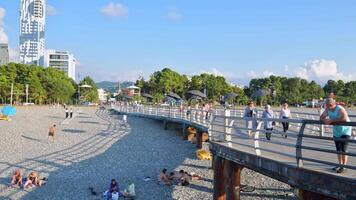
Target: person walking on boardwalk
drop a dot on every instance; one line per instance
(332, 115)
(285, 114)
(250, 111)
(67, 113)
(267, 115)
(71, 112)
(51, 133)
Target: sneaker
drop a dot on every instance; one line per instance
(335, 168)
(340, 170)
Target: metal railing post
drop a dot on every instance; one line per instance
(322, 127)
(299, 155)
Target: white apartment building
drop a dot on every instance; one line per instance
(62, 60)
(32, 31)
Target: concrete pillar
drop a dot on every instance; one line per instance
(232, 172)
(219, 189)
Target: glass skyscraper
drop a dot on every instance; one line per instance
(32, 31)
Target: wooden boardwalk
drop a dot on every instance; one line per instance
(277, 157)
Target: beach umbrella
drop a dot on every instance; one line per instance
(148, 96)
(85, 86)
(195, 98)
(174, 95)
(230, 96)
(8, 111)
(260, 93)
(196, 93)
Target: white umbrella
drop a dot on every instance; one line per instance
(85, 86)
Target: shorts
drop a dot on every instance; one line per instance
(342, 145)
(50, 134)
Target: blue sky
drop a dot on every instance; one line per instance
(120, 40)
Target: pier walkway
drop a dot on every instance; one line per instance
(303, 160)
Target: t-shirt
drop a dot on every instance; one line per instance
(285, 113)
(338, 131)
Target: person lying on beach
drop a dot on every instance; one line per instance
(184, 179)
(16, 178)
(193, 176)
(163, 178)
(34, 180)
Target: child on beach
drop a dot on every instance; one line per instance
(51, 133)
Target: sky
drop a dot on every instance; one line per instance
(122, 40)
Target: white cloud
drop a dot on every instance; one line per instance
(322, 70)
(115, 10)
(14, 55)
(3, 36)
(213, 71)
(174, 15)
(51, 10)
(251, 74)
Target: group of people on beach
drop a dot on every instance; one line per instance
(180, 177)
(268, 115)
(32, 180)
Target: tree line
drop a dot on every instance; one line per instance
(45, 85)
(292, 90)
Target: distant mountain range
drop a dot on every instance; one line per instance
(112, 86)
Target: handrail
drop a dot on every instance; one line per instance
(208, 119)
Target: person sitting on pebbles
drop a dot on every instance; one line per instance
(114, 191)
(163, 178)
(34, 180)
(16, 178)
(184, 177)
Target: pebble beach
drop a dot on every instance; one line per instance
(95, 147)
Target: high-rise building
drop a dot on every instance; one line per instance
(32, 31)
(61, 60)
(4, 54)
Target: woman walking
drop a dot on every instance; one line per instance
(285, 114)
(267, 115)
(250, 112)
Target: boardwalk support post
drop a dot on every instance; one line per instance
(232, 172)
(219, 189)
(165, 124)
(184, 131)
(199, 135)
